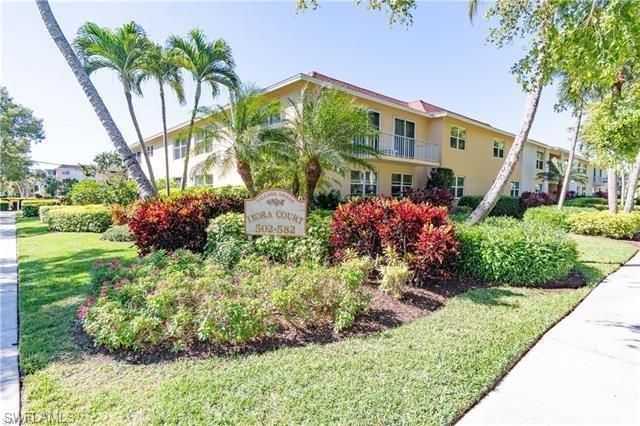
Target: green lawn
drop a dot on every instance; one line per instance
(426, 372)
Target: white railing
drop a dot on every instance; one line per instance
(403, 147)
(600, 180)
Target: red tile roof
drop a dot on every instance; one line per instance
(419, 105)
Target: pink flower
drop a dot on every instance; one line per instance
(105, 283)
(218, 296)
(91, 300)
(104, 292)
(113, 327)
(124, 281)
(152, 293)
(82, 312)
(117, 286)
(165, 324)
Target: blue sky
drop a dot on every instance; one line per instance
(442, 59)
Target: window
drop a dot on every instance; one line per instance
(274, 119)
(64, 172)
(404, 143)
(539, 160)
(538, 187)
(400, 182)
(179, 150)
(204, 146)
(458, 138)
(204, 180)
(150, 150)
(498, 148)
(515, 189)
(138, 155)
(364, 182)
(458, 186)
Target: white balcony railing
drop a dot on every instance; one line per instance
(599, 180)
(403, 147)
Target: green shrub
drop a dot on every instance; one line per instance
(585, 202)
(605, 224)
(506, 205)
(43, 212)
(117, 233)
(222, 191)
(395, 275)
(551, 217)
(227, 242)
(30, 208)
(174, 300)
(463, 210)
(87, 192)
(90, 218)
(4, 206)
(514, 253)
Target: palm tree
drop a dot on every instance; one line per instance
(244, 136)
(558, 169)
(163, 66)
(122, 51)
(208, 63)
(135, 171)
(328, 130)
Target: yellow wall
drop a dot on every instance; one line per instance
(476, 163)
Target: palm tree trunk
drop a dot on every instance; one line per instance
(165, 140)
(295, 185)
(632, 185)
(244, 170)
(144, 186)
(196, 101)
(312, 172)
(491, 198)
(572, 153)
(143, 148)
(612, 188)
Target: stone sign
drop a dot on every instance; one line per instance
(275, 212)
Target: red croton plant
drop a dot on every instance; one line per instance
(179, 222)
(419, 233)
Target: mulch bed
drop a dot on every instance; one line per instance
(386, 312)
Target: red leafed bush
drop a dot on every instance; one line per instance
(420, 234)
(119, 214)
(178, 223)
(535, 199)
(355, 226)
(601, 194)
(440, 197)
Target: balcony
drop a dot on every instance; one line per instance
(600, 180)
(402, 147)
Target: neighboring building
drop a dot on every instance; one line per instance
(69, 171)
(414, 138)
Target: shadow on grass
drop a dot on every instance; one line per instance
(492, 296)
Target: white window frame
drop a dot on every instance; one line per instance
(457, 186)
(455, 141)
(515, 188)
(498, 148)
(150, 150)
(363, 182)
(539, 161)
(180, 148)
(403, 185)
(203, 179)
(208, 146)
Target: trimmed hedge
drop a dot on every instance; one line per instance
(552, 217)
(585, 202)
(511, 252)
(4, 206)
(31, 208)
(89, 218)
(506, 205)
(118, 233)
(605, 224)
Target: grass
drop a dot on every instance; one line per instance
(427, 372)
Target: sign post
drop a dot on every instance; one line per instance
(275, 212)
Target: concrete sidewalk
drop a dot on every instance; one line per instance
(585, 370)
(9, 379)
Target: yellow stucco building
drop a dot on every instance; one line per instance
(414, 137)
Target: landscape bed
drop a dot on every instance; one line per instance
(428, 371)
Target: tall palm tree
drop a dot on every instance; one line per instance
(243, 135)
(209, 63)
(136, 172)
(122, 51)
(328, 126)
(558, 169)
(163, 66)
